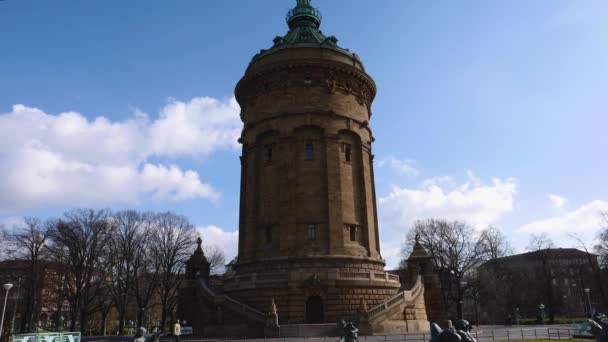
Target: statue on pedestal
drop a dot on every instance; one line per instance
(599, 327)
(349, 332)
(460, 333)
(272, 321)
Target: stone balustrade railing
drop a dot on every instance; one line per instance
(231, 303)
(249, 281)
(398, 299)
(369, 276)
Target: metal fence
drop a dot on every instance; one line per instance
(47, 337)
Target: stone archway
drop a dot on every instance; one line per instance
(314, 310)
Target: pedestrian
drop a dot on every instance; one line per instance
(177, 330)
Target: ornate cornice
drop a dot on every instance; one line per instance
(333, 78)
(289, 116)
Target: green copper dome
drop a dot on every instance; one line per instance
(303, 14)
(304, 21)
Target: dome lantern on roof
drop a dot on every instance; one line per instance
(303, 15)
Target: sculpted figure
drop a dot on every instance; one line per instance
(349, 331)
(139, 335)
(463, 328)
(599, 327)
(459, 334)
(273, 317)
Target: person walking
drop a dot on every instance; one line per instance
(177, 330)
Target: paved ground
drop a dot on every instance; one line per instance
(494, 333)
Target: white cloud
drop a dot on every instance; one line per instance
(170, 182)
(585, 220)
(557, 201)
(198, 127)
(474, 202)
(50, 159)
(391, 252)
(479, 204)
(404, 167)
(225, 240)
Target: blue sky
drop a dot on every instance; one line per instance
(488, 111)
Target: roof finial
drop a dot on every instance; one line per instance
(199, 242)
(303, 14)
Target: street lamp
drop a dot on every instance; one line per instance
(461, 286)
(587, 290)
(7, 287)
(15, 305)
(567, 306)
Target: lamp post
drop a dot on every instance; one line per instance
(7, 288)
(587, 290)
(461, 286)
(567, 306)
(15, 305)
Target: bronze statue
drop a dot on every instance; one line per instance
(599, 327)
(460, 333)
(139, 335)
(349, 332)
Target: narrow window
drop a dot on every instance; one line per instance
(353, 233)
(268, 234)
(347, 152)
(312, 232)
(268, 154)
(308, 151)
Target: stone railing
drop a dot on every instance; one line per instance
(231, 304)
(373, 275)
(400, 298)
(249, 281)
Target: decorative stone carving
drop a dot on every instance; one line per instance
(273, 316)
(338, 79)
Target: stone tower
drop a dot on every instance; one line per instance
(308, 231)
(420, 263)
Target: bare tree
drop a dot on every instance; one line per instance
(127, 251)
(543, 245)
(539, 242)
(27, 242)
(456, 251)
(3, 242)
(147, 279)
(601, 248)
(215, 257)
(80, 245)
(592, 260)
(105, 304)
(171, 243)
(492, 287)
(494, 243)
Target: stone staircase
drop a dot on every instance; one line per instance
(402, 313)
(230, 304)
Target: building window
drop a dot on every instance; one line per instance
(308, 151)
(353, 233)
(268, 154)
(312, 232)
(347, 149)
